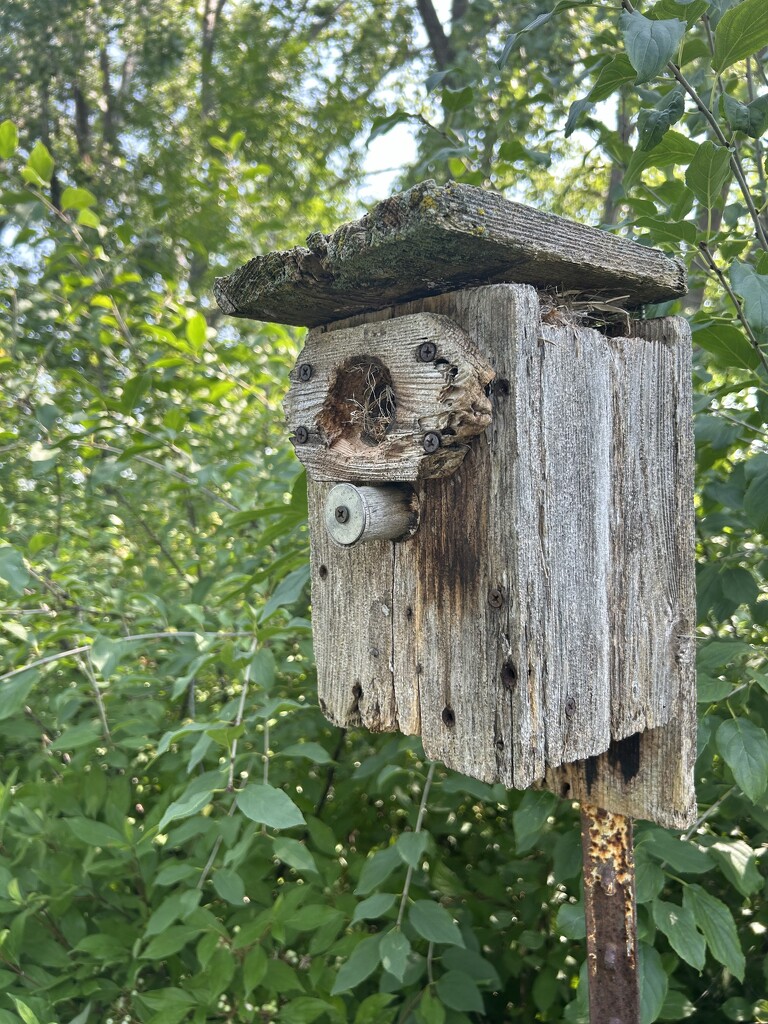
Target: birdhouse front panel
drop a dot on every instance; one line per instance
(532, 604)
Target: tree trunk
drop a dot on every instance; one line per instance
(439, 42)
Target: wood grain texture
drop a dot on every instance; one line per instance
(433, 239)
(377, 365)
(543, 608)
(650, 774)
(352, 618)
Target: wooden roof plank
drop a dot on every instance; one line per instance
(432, 239)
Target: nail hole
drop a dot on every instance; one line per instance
(508, 675)
(570, 707)
(409, 612)
(374, 652)
(322, 572)
(499, 744)
(449, 718)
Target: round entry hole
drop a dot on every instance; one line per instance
(361, 402)
(449, 718)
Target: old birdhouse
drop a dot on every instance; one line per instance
(500, 474)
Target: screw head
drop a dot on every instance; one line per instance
(301, 435)
(495, 597)
(431, 442)
(341, 512)
(427, 352)
(570, 707)
(305, 371)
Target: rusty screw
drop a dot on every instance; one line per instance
(305, 371)
(495, 597)
(430, 442)
(427, 352)
(342, 514)
(301, 435)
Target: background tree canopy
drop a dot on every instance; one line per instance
(183, 837)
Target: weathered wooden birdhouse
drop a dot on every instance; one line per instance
(500, 473)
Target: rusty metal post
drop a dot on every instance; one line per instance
(611, 913)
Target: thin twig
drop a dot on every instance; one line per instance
(239, 715)
(87, 666)
(708, 813)
(73, 651)
(419, 821)
(710, 261)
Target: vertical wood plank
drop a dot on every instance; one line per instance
(650, 774)
(352, 625)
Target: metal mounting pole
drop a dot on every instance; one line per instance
(611, 913)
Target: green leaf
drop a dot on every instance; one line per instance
(753, 289)
(728, 344)
(738, 863)
(739, 585)
(411, 847)
(24, 1011)
(14, 692)
(12, 568)
(229, 885)
(716, 922)
(708, 172)
(170, 941)
(679, 926)
(197, 331)
(570, 920)
(617, 72)
(9, 139)
(378, 868)
(653, 983)
(473, 964)
(361, 964)
(373, 907)
(395, 950)
(650, 44)
(179, 904)
(40, 162)
(431, 1010)
(304, 1010)
(254, 968)
(269, 806)
(742, 31)
(653, 124)
(287, 592)
(106, 654)
(312, 751)
(295, 854)
(735, 113)
(371, 1010)
(459, 992)
(681, 855)
(530, 817)
(382, 125)
(95, 833)
(185, 807)
(77, 199)
(744, 747)
(434, 923)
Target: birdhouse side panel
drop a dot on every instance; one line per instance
(652, 560)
